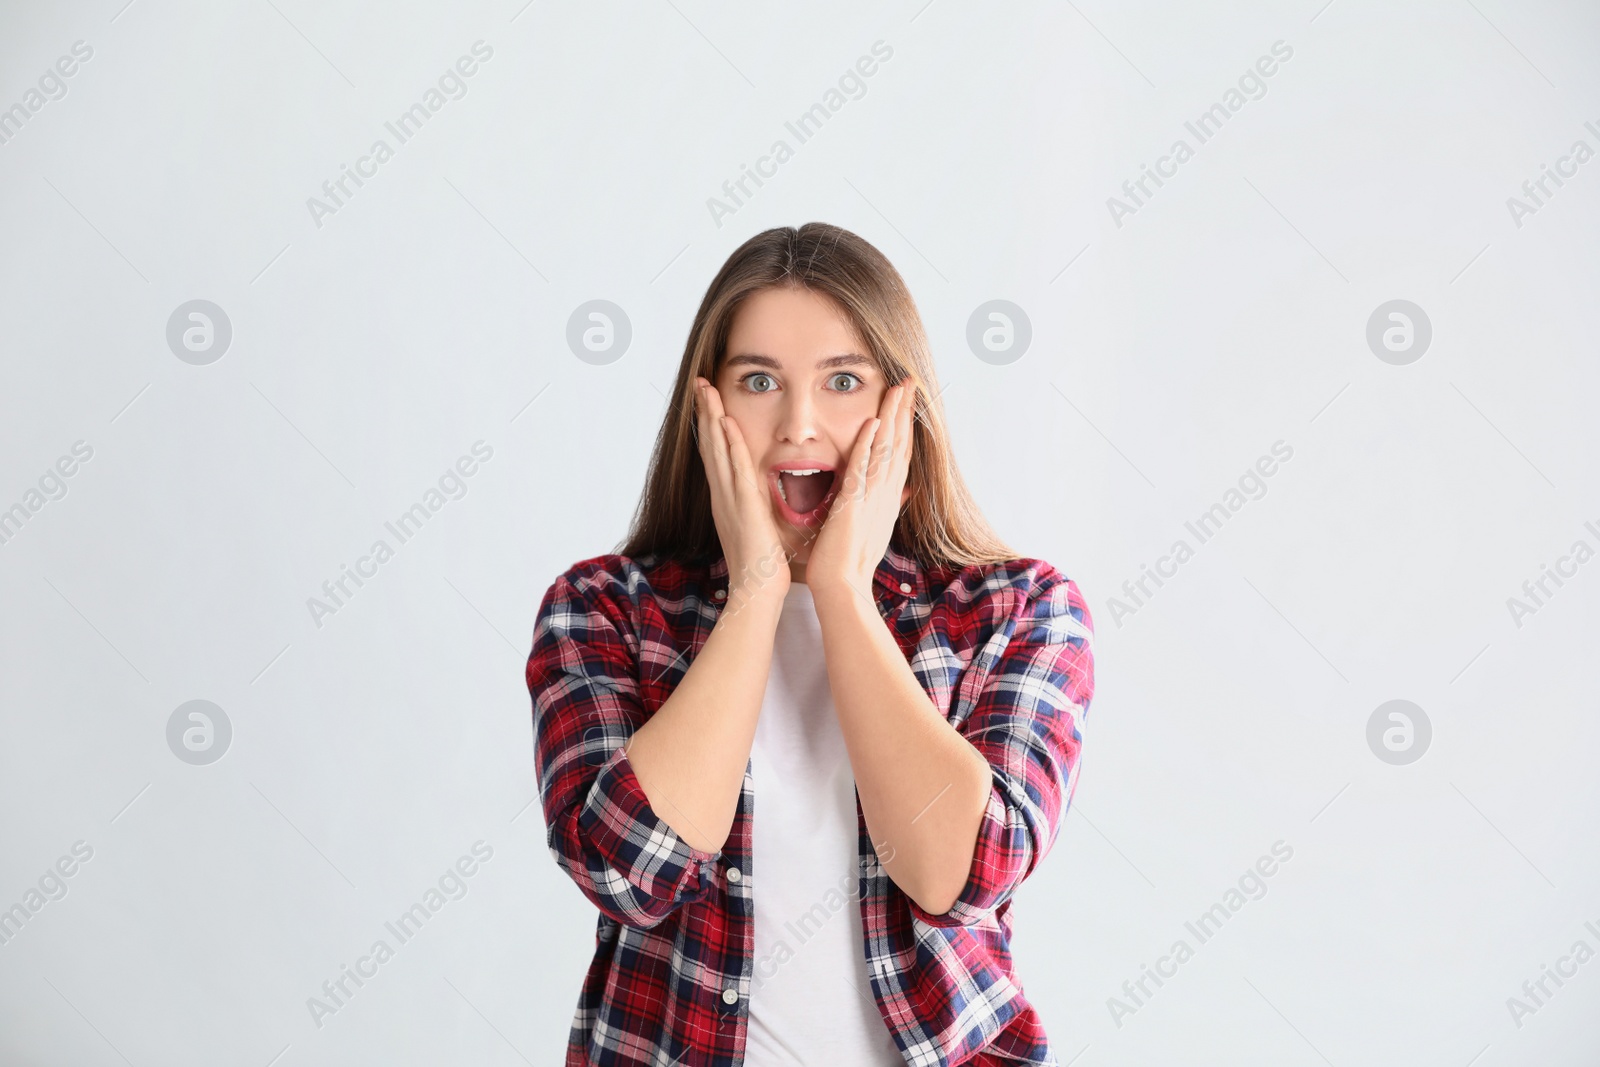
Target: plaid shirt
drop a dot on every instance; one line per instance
(1004, 653)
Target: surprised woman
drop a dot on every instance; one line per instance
(804, 734)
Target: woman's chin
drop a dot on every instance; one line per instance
(797, 538)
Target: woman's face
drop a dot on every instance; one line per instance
(800, 382)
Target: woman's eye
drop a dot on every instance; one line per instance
(749, 379)
(846, 379)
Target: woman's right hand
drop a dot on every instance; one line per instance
(758, 564)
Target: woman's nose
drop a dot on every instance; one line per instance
(797, 420)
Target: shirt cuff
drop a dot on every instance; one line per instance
(999, 863)
(637, 844)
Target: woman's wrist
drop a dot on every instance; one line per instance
(761, 574)
(759, 588)
(832, 595)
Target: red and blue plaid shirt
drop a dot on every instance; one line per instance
(1004, 653)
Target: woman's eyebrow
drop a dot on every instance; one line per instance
(849, 359)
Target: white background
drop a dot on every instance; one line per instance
(1168, 354)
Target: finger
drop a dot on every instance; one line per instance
(729, 472)
(702, 423)
(906, 402)
(702, 433)
(739, 455)
(718, 415)
(884, 440)
(740, 466)
(701, 415)
(855, 485)
(694, 409)
(907, 435)
(713, 440)
(713, 401)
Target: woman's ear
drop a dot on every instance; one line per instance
(905, 494)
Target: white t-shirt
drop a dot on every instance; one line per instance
(810, 995)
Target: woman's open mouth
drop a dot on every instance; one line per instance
(803, 493)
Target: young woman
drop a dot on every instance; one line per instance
(803, 736)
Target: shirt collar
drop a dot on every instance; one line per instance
(897, 578)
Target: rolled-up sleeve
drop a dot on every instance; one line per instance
(1027, 721)
(601, 829)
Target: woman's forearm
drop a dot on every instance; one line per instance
(922, 785)
(690, 756)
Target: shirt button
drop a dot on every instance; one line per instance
(733, 874)
(905, 587)
(720, 594)
(730, 996)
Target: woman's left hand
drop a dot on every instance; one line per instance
(855, 535)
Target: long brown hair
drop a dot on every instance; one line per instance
(940, 525)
